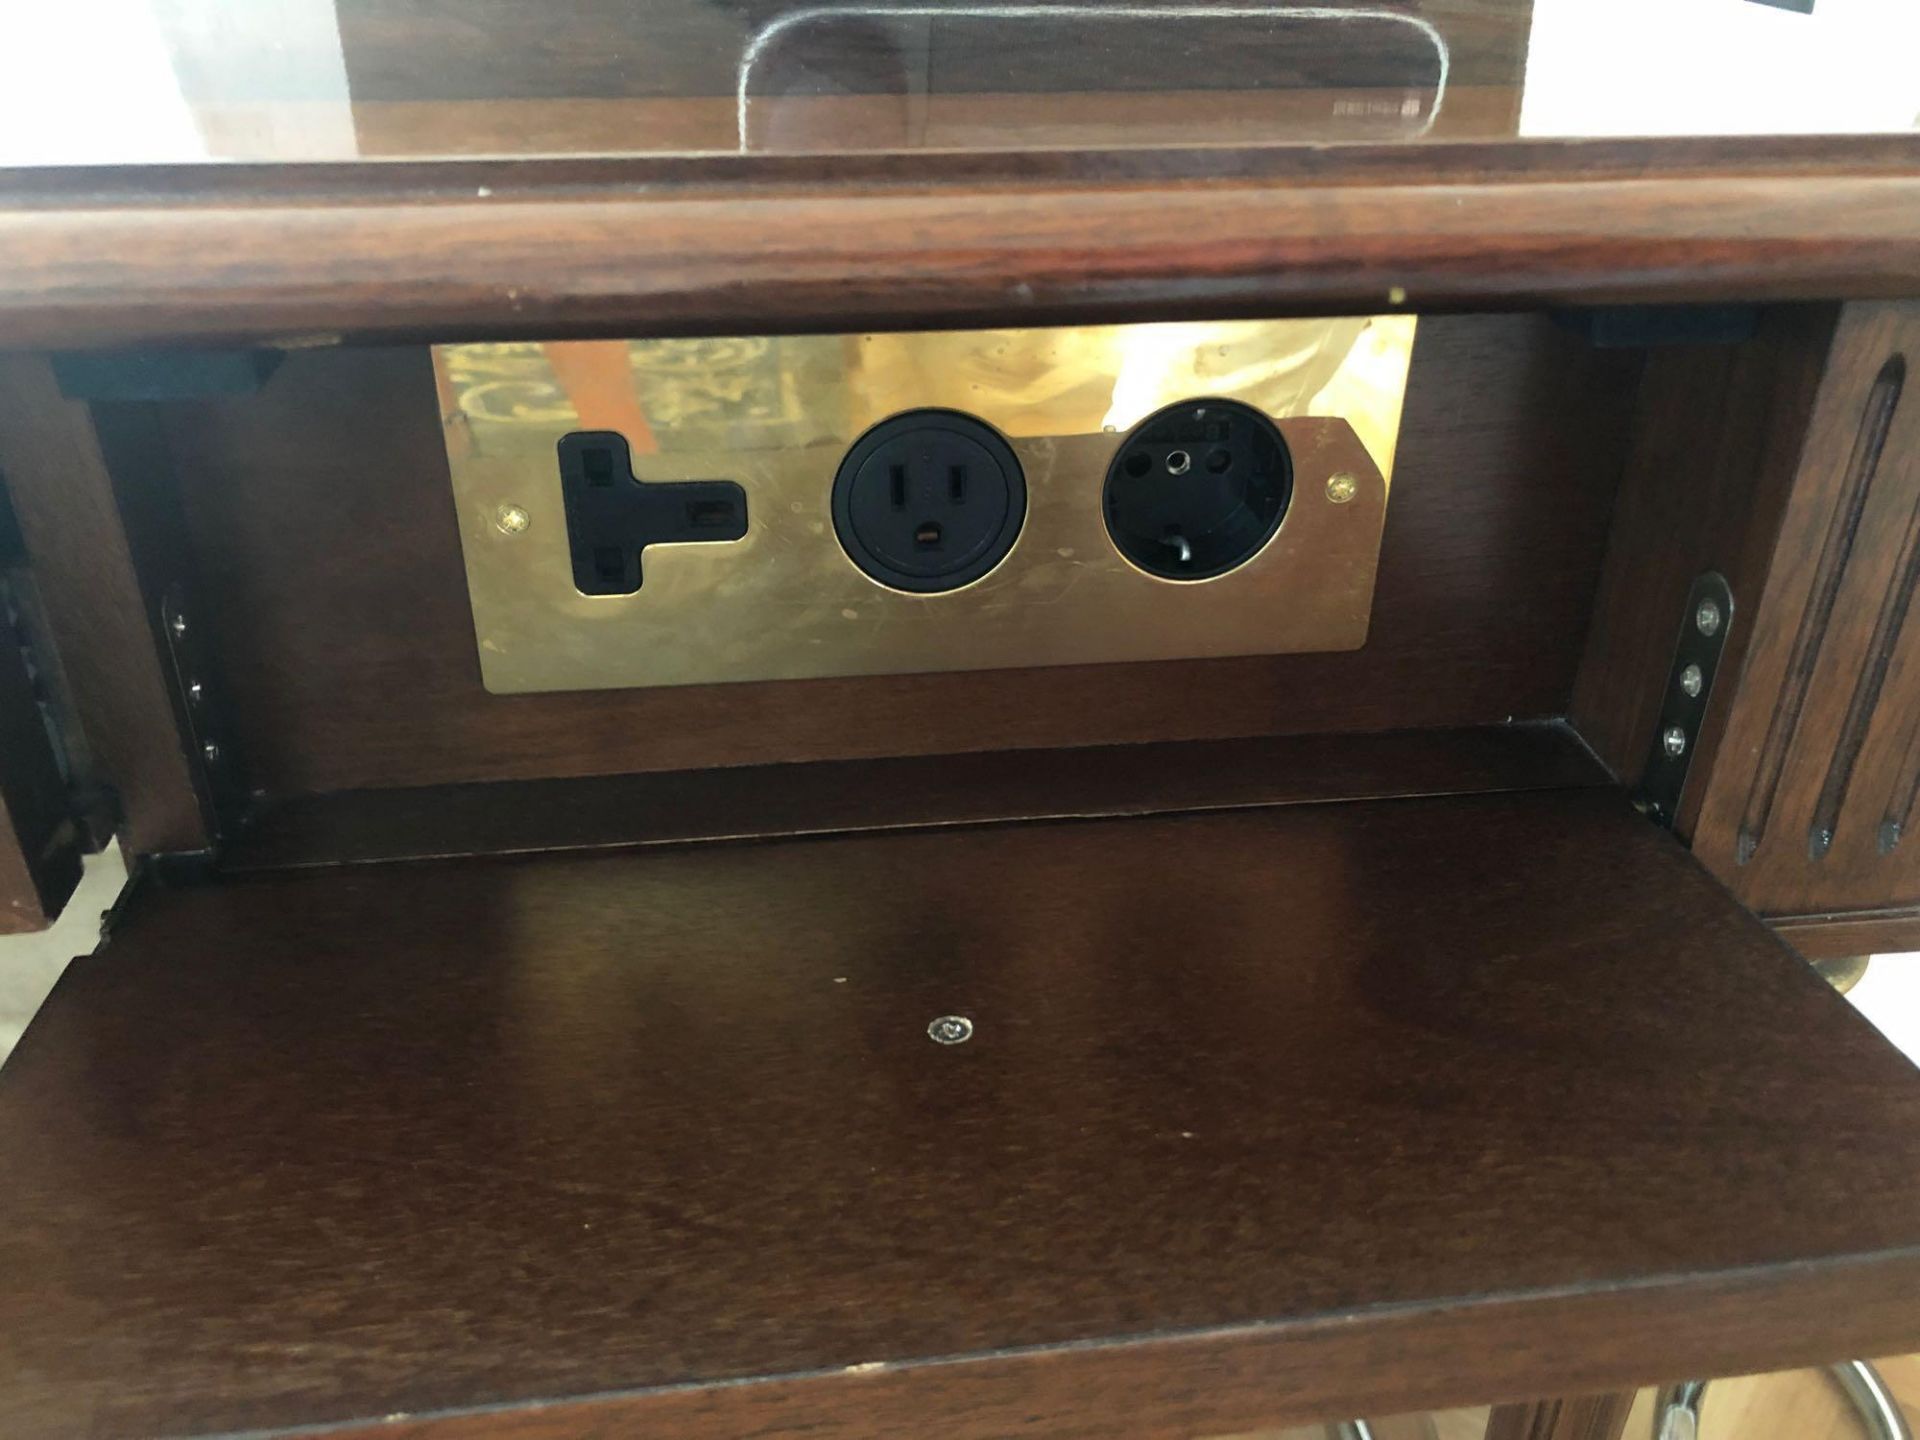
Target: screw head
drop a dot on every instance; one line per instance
(950, 1030)
(1674, 741)
(1342, 487)
(511, 519)
(1706, 619)
(1692, 681)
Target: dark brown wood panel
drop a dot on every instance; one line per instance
(1266, 1115)
(74, 513)
(1811, 806)
(323, 520)
(1586, 1417)
(912, 792)
(1716, 441)
(1850, 932)
(725, 246)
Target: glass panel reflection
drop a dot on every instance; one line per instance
(197, 80)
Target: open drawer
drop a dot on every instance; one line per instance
(1269, 1113)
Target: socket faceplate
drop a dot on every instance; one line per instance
(785, 601)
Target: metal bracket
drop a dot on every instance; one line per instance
(1683, 705)
(215, 759)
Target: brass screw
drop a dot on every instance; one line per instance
(510, 520)
(1342, 487)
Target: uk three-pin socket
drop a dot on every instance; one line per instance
(929, 500)
(1197, 489)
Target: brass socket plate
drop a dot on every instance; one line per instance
(786, 603)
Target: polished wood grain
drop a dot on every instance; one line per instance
(322, 518)
(912, 792)
(725, 246)
(1823, 736)
(96, 576)
(1270, 1115)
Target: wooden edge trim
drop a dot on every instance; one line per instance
(1839, 934)
(1370, 1362)
(739, 260)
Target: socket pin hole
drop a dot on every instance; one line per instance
(1138, 463)
(957, 483)
(897, 486)
(1179, 462)
(1218, 461)
(927, 537)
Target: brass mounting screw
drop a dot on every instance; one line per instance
(510, 519)
(1342, 487)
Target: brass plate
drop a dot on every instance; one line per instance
(777, 415)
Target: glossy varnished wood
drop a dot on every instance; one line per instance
(696, 249)
(910, 792)
(1273, 1115)
(323, 522)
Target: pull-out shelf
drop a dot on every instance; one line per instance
(1268, 1114)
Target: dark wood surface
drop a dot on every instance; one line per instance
(1585, 1417)
(74, 513)
(909, 792)
(1269, 1115)
(1717, 435)
(1824, 729)
(730, 245)
(323, 522)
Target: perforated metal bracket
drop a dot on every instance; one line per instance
(1683, 704)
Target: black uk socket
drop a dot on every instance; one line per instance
(1197, 489)
(612, 516)
(929, 501)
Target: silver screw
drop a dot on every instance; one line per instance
(1692, 681)
(1674, 741)
(1179, 462)
(178, 625)
(950, 1030)
(510, 519)
(212, 752)
(1707, 618)
(1342, 487)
